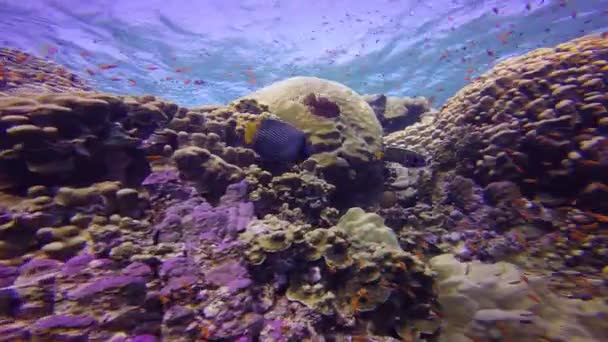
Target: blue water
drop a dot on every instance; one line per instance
(212, 51)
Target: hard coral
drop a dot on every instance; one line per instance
(75, 138)
(534, 120)
(341, 127)
(488, 301)
(210, 174)
(356, 268)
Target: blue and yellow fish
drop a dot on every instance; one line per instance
(277, 141)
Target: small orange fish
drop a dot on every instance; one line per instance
(252, 80)
(591, 226)
(588, 162)
(180, 70)
(228, 75)
(205, 334)
(470, 70)
(154, 158)
(107, 66)
(530, 181)
(187, 82)
(151, 67)
(84, 53)
(578, 236)
(467, 78)
(601, 218)
(164, 299)
(20, 58)
(555, 135)
(534, 297)
(131, 82)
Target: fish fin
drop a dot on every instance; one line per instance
(251, 128)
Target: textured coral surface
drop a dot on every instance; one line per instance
(128, 218)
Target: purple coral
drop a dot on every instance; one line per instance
(39, 267)
(167, 182)
(76, 264)
(144, 338)
(63, 322)
(138, 269)
(231, 274)
(134, 288)
(176, 267)
(8, 274)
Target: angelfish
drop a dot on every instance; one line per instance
(277, 141)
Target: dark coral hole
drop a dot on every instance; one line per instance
(321, 106)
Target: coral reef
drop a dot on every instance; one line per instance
(523, 146)
(341, 127)
(302, 191)
(23, 73)
(536, 120)
(127, 218)
(210, 173)
(76, 138)
(355, 270)
(396, 113)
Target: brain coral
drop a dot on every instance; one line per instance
(341, 126)
(539, 120)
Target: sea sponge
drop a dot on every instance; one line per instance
(488, 301)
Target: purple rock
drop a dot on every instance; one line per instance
(133, 288)
(144, 338)
(231, 274)
(167, 182)
(63, 322)
(178, 315)
(14, 332)
(176, 284)
(161, 177)
(39, 267)
(235, 192)
(77, 264)
(8, 274)
(176, 267)
(138, 269)
(102, 264)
